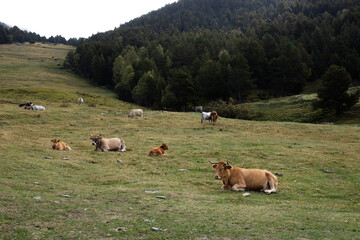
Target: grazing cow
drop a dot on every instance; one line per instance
(108, 144)
(198, 108)
(136, 112)
(241, 179)
(213, 117)
(37, 108)
(159, 150)
(80, 101)
(58, 145)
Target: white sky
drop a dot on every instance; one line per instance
(74, 18)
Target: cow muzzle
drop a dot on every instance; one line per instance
(93, 143)
(217, 177)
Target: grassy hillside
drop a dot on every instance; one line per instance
(82, 194)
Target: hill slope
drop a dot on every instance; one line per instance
(48, 194)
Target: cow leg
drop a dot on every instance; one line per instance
(226, 187)
(238, 187)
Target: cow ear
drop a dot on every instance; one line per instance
(215, 165)
(228, 167)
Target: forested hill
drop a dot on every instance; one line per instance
(196, 51)
(187, 15)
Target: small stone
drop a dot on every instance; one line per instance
(65, 158)
(161, 197)
(156, 229)
(65, 195)
(121, 229)
(37, 198)
(118, 161)
(246, 194)
(36, 183)
(183, 170)
(156, 191)
(71, 124)
(48, 157)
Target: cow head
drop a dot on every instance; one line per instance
(164, 146)
(221, 169)
(95, 139)
(55, 141)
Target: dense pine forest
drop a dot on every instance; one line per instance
(14, 34)
(196, 51)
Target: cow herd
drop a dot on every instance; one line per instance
(233, 178)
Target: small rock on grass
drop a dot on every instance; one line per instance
(37, 198)
(121, 229)
(161, 197)
(156, 191)
(48, 157)
(118, 161)
(246, 194)
(65, 195)
(183, 170)
(157, 229)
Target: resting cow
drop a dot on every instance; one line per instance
(136, 112)
(159, 150)
(241, 179)
(108, 144)
(28, 104)
(58, 145)
(37, 108)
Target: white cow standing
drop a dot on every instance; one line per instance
(80, 101)
(205, 116)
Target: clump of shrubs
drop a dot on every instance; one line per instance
(230, 109)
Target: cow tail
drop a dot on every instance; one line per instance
(68, 148)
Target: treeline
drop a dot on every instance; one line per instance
(10, 35)
(195, 51)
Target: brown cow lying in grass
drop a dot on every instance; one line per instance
(159, 150)
(108, 144)
(241, 179)
(58, 145)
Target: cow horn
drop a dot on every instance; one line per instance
(213, 162)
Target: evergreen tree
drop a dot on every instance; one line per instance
(240, 78)
(333, 93)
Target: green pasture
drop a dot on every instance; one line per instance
(83, 194)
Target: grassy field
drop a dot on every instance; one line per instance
(83, 194)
